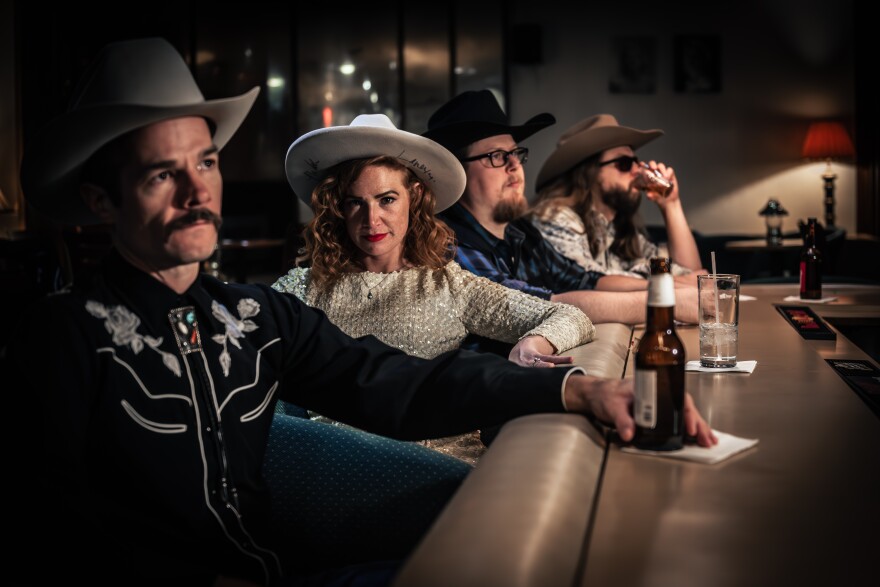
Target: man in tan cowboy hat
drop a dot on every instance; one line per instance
(589, 191)
(493, 238)
(143, 400)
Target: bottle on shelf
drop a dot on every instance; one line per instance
(660, 360)
(811, 261)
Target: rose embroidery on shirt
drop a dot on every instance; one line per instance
(122, 325)
(235, 327)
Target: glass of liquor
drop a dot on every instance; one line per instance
(660, 360)
(811, 260)
(652, 180)
(719, 319)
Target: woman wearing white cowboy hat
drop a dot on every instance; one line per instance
(381, 263)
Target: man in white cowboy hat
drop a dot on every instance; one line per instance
(143, 400)
(589, 191)
(493, 237)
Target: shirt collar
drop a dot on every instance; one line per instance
(465, 222)
(148, 297)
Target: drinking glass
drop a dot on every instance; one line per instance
(652, 180)
(719, 319)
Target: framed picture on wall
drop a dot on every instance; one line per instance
(633, 65)
(697, 64)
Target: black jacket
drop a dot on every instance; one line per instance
(143, 417)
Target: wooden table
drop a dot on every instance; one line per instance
(760, 245)
(800, 508)
(768, 260)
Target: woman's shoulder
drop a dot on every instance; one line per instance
(454, 272)
(296, 281)
(451, 277)
(461, 281)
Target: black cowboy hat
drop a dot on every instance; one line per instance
(475, 115)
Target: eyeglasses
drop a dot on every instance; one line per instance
(623, 163)
(500, 157)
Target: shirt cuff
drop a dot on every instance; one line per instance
(571, 372)
(589, 280)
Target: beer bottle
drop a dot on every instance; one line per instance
(811, 258)
(660, 360)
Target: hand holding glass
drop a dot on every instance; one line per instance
(652, 180)
(719, 319)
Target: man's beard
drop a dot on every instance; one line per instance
(627, 222)
(625, 203)
(508, 210)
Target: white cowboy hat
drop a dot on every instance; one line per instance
(586, 138)
(371, 135)
(130, 84)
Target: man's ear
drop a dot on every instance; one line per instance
(99, 202)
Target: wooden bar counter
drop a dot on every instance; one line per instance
(800, 508)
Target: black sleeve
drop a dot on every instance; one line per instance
(373, 386)
(47, 397)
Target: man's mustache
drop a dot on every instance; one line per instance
(193, 216)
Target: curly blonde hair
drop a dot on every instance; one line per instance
(428, 242)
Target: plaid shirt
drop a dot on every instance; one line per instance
(522, 261)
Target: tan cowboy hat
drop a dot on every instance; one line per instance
(586, 138)
(371, 135)
(130, 84)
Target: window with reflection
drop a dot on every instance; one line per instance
(479, 47)
(235, 51)
(347, 66)
(427, 62)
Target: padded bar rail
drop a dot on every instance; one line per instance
(520, 518)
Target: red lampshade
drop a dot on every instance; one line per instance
(827, 140)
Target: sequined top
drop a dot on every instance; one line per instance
(565, 230)
(425, 312)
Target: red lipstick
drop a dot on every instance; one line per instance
(374, 238)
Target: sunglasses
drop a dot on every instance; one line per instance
(623, 163)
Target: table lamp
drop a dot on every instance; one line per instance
(773, 213)
(828, 140)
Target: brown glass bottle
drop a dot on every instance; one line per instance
(811, 260)
(660, 360)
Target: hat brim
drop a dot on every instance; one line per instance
(584, 145)
(311, 155)
(51, 168)
(458, 135)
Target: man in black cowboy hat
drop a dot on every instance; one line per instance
(589, 192)
(144, 399)
(493, 238)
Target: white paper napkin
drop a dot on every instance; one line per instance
(728, 445)
(819, 301)
(741, 367)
